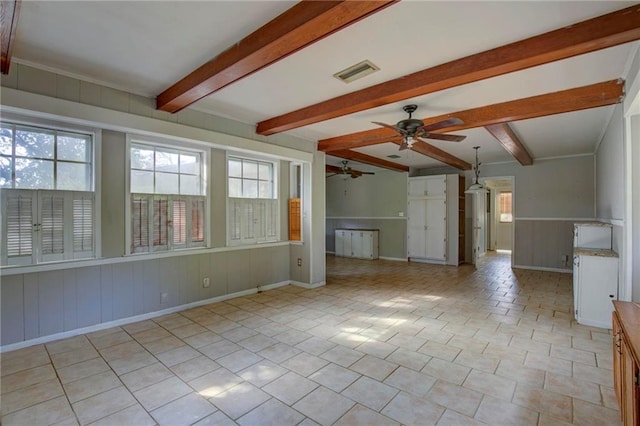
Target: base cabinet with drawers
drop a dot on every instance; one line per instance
(358, 243)
(626, 360)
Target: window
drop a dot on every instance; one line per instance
(504, 201)
(253, 206)
(168, 202)
(48, 200)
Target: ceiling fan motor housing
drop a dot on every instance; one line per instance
(410, 125)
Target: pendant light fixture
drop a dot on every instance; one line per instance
(476, 186)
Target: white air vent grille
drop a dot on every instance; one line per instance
(356, 71)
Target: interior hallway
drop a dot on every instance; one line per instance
(383, 343)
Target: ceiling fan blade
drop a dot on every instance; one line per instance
(389, 126)
(449, 122)
(444, 137)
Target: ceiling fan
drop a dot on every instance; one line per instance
(345, 170)
(412, 129)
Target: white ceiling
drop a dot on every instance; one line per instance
(146, 46)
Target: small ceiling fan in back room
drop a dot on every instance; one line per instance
(412, 129)
(345, 170)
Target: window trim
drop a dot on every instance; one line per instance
(170, 144)
(62, 125)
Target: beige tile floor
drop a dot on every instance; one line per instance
(383, 343)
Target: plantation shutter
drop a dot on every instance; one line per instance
(19, 217)
(271, 218)
(179, 222)
(197, 221)
(160, 223)
(235, 219)
(83, 225)
(139, 224)
(52, 225)
(248, 216)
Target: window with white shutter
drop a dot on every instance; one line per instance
(48, 202)
(253, 206)
(168, 205)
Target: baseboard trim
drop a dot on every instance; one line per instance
(309, 286)
(141, 317)
(541, 268)
(595, 323)
(395, 259)
(429, 261)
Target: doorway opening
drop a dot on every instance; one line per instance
(500, 215)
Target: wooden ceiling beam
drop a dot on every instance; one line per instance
(436, 153)
(9, 13)
(585, 97)
(510, 141)
(594, 34)
(367, 159)
(303, 24)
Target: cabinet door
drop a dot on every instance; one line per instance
(576, 287)
(436, 229)
(617, 357)
(598, 281)
(416, 231)
(630, 407)
(367, 245)
(339, 242)
(356, 243)
(436, 186)
(348, 250)
(427, 186)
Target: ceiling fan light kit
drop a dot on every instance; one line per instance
(412, 129)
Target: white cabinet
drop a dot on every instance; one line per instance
(595, 286)
(427, 186)
(432, 219)
(359, 243)
(340, 242)
(592, 235)
(427, 228)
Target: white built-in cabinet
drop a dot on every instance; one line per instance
(359, 243)
(433, 231)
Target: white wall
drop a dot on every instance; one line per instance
(369, 202)
(554, 188)
(610, 171)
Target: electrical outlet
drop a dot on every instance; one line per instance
(164, 297)
(400, 214)
(206, 282)
(299, 261)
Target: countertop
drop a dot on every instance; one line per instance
(579, 251)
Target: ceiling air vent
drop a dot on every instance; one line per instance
(393, 156)
(356, 71)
